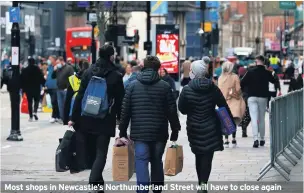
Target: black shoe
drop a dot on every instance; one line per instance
(256, 144)
(14, 137)
(244, 134)
(35, 117)
(262, 143)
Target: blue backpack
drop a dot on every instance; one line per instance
(95, 101)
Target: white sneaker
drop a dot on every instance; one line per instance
(59, 121)
(52, 120)
(226, 144)
(30, 119)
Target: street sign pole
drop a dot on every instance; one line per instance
(14, 91)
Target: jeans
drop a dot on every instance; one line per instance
(30, 97)
(61, 99)
(257, 110)
(203, 163)
(152, 152)
(55, 110)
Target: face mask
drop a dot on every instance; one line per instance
(49, 62)
(191, 75)
(59, 65)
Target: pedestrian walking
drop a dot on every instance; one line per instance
(31, 82)
(97, 131)
(246, 119)
(51, 89)
(229, 84)
(185, 73)
(273, 88)
(257, 80)
(62, 72)
(164, 75)
(128, 73)
(135, 71)
(198, 101)
(149, 104)
(296, 82)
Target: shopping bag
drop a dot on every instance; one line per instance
(123, 162)
(227, 125)
(24, 105)
(43, 104)
(65, 151)
(46, 109)
(174, 160)
(48, 101)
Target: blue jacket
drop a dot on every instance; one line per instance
(131, 79)
(50, 83)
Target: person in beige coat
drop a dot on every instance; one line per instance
(229, 84)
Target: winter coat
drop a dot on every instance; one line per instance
(50, 82)
(32, 79)
(198, 101)
(257, 81)
(131, 79)
(295, 84)
(229, 84)
(96, 126)
(150, 104)
(62, 75)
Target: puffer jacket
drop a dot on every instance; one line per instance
(198, 100)
(149, 103)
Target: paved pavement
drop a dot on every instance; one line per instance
(33, 159)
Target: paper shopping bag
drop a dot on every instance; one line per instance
(174, 160)
(44, 101)
(123, 163)
(24, 105)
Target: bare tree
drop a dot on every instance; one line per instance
(104, 15)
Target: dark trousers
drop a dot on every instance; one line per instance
(152, 152)
(15, 110)
(31, 96)
(53, 95)
(271, 95)
(233, 135)
(88, 146)
(203, 164)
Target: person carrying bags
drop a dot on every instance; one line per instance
(198, 101)
(229, 84)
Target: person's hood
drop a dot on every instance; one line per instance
(148, 76)
(201, 84)
(102, 67)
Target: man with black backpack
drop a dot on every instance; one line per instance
(97, 105)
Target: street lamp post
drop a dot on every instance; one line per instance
(14, 92)
(92, 19)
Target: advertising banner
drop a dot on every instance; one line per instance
(167, 47)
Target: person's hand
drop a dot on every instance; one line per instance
(174, 136)
(279, 94)
(71, 123)
(55, 68)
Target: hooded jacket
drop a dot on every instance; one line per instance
(149, 103)
(102, 68)
(198, 101)
(32, 79)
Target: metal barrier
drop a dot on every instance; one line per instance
(286, 132)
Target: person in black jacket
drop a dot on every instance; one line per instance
(150, 104)
(31, 81)
(257, 82)
(96, 133)
(198, 100)
(166, 77)
(296, 82)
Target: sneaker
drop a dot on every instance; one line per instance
(256, 144)
(31, 119)
(262, 143)
(14, 137)
(52, 120)
(59, 121)
(244, 134)
(234, 143)
(35, 117)
(226, 144)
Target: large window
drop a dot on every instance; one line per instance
(81, 34)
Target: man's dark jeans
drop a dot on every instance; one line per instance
(53, 95)
(152, 152)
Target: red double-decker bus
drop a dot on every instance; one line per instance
(78, 43)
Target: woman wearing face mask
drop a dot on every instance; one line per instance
(296, 81)
(198, 100)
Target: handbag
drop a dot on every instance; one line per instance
(24, 105)
(227, 125)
